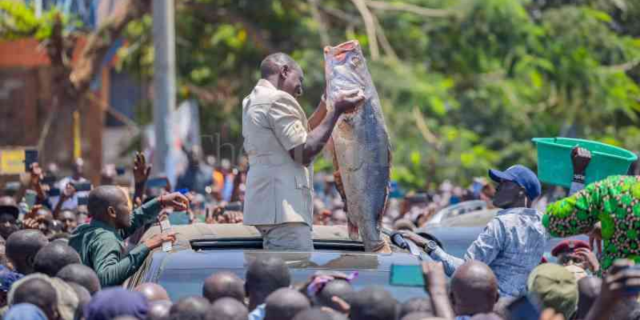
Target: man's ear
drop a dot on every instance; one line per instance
(31, 259)
(284, 71)
(111, 211)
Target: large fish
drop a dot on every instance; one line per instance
(360, 146)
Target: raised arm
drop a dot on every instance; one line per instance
(577, 214)
(304, 153)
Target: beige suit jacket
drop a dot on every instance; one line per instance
(279, 190)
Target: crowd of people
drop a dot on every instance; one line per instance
(65, 255)
(67, 247)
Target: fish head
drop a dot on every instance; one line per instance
(345, 69)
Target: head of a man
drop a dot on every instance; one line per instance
(53, 257)
(555, 287)
(223, 284)
(565, 251)
(39, 293)
(283, 72)
(317, 314)
(284, 304)
(152, 291)
(518, 186)
(373, 303)
(190, 308)
(84, 297)
(69, 220)
(159, 310)
(474, 289)
(22, 247)
(110, 205)
(588, 292)
(416, 305)
(227, 309)
(335, 288)
(9, 212)
(114, 302)
(264, 276)
(82, 275)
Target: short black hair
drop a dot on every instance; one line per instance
(190, 308)
(336, 288)
(373, 303)
(82, 275)
(223, 284)
(227, 309)
(274, 62)
(266, 275)
(22, 247)
(313, 314)
(37, 292)
(417, 304)
(103, 197)
(284, 304)
(53, 257)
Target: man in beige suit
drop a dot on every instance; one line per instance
(281, 145)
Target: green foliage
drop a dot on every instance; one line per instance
(466, 92)
(17, 20)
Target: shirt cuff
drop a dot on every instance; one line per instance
(575, 187)
(139, 253)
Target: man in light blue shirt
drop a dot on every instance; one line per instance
(513, 242)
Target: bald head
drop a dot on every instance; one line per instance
(223, 284)
(274, 63)
(152, 291)
(313, 314)
(103, 197)
(82, 275)
(55, 256)
(22, 247)
(284, 304)
(416, 305)
(159, 310)
(336, 288)
(189, 308)
(39, 293)
(474, 289)
(227, 309)
(264, 276)
(588, 290)
(373, 303)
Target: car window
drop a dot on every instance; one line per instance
(186, 282)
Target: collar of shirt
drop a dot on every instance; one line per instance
(266, 84)
(524, 211)
(99, 224)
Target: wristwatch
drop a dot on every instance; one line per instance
(430, 246)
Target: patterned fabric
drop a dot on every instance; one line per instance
(512, 245)
(615, 203)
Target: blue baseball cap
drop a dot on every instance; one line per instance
(521, 175)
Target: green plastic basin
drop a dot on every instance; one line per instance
(555, 167)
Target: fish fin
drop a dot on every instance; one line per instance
(329, 152)
(340, 187)
(354, 233)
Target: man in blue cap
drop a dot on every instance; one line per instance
(513, 242)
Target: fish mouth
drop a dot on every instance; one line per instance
(340, 51)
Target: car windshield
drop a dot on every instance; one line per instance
(187, 282)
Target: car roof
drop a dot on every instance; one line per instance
(203, 231)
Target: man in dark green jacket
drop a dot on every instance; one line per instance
(101, 242)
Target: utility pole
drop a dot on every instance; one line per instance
(164, 86)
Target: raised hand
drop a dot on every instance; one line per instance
(140, 169)
(175, 200)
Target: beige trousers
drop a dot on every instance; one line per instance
(293, 236)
